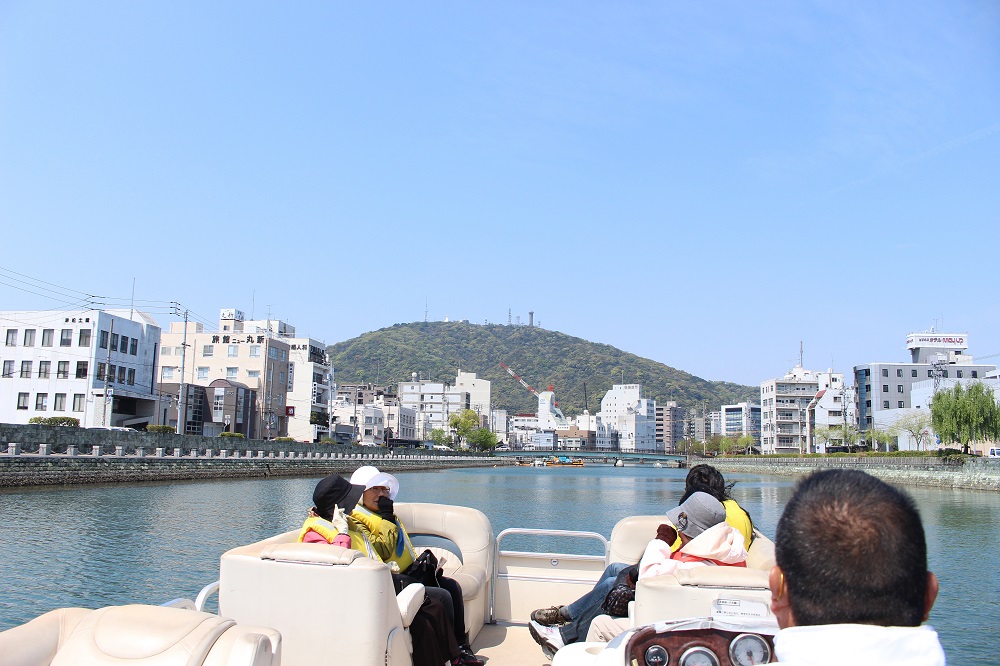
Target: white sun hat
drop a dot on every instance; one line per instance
(369, 477)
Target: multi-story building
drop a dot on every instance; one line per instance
(883, 389)
(252, 353)
(670, 423)
(94, 365)
(309, 390)
(222, 406)
(479, 393)
(795, 405)
(433, 403)
(627, 421)
(500, 425)
(740, 419)
(922, 394)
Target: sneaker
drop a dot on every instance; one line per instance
(549, 638)
(548, 617)
(466, 657)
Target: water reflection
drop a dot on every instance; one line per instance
(98, 545)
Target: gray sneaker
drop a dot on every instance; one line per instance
(548, 617)
(548, 638)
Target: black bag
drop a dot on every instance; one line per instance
(425, 569)
(616, 603)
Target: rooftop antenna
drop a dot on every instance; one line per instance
(253, 298)
(425, 310)
(131, 307)
(800, 353)
(508, 316)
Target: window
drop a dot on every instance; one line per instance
(59, 402)
(167, 373)
(958, 373)
(112, 369)
(22, 400)
(218, 403)
(232, 373)
(930, 373)
(203, 372)
(868, 404)
(29, 337)
(131, 376)
(975, 374)
(913, 373)
(121, 374)
(899, 388)
(41, 402)
(272, 352)
(104, 340)
(84, 339)
(47, 334)
(945, 373)
(281, 378)
(66, 337)
(284, 355)
(81, 369)
(11, 337)
(133, 347)
(885, 388)
(25, 369)
(885, 404)
(165, 351)
(868, 388)
(124, 346)
(78, 402)
(900, 404)
(253, 374)
(114, 342)
(254, 351)
(234, 351)
(100, 371)
(208, 350)
(43, 369)
(885, 372)
(868, 372)
(899, 372)
(62, 370)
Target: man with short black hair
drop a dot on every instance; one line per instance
(851, 585)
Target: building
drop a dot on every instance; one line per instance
(796, 405)
(479, 391)
(252, 353)
(740, 419)
(670, 424)
(309, 390)
(627, 421)
(221, 406)
(93, 365)
(433, 403)
(500, 425)
(883, 390)
(922, 394)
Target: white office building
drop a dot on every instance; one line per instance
(742, 418)
(795, 405)
(309, 390)
(93, 365)
(433, 403)
(627, 421)
(479, 393)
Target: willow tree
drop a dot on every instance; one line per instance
(965, 415)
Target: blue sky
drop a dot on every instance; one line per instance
(703, 184)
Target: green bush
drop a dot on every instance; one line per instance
(66, 421)
(237, 435)
(284, 439)
(161, 428)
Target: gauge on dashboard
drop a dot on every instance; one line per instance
(656, 655)
(749, 649)
(698, 656)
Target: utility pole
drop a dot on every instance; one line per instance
(107, 374)
(182, 395)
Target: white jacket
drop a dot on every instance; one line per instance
(720, 544)
(858, 645)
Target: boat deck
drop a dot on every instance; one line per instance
(504, 644)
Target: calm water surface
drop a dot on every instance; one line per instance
(93, 546)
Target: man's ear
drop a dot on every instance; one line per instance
(779, 598)
(932, 592)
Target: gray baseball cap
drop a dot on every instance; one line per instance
(699, 512)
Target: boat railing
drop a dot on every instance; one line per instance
(203, 596)
(554, 557)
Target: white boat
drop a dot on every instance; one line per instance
(283, 602)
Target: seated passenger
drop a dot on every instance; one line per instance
(574, 619)
(430, 630)
(706, 540)
(375, 519)
(851, 585)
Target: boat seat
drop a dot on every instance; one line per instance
(690, 592)
(138, 635)
(630, 536)
(470, 530)
(332, 605)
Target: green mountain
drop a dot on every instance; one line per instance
(437, 350)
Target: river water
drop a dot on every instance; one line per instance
(99, 545)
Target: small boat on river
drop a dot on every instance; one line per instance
(298, 604)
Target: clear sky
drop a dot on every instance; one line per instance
(703, 184)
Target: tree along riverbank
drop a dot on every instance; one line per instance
(950, 472)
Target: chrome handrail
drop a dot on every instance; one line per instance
(206, 592)
(535, 532)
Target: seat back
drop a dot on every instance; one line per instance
(138, 635)
(472, 533)
(630, 536)
(331, 605)
(761, 553)
(690, 592)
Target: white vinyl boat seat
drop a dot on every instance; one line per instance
(138, 635)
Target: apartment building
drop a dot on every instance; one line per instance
(93, 365)
(479, 391)
(627, 421)
(221, 406)
(794, 406)
(433, 403)
(670, 424)
(309, 390)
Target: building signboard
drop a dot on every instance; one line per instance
(938, 340)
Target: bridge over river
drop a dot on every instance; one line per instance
(609, 457)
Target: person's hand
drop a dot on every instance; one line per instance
(666, 533)
(339, 520)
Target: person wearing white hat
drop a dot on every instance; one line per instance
(375, 519)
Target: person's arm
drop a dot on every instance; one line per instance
(656, 558)
(382, 534)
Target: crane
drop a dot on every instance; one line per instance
(559, 417)
(519, 380)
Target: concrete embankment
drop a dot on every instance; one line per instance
(971, 473)
(45, 455)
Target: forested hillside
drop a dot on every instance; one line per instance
(437, 350)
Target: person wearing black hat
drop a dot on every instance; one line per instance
(333, 499)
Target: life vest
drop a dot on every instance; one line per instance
(401, 552)
(325, 529)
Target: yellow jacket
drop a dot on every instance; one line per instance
(326, 530)
(388, 538)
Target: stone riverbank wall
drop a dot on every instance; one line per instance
(971, 473)
(35, 455)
